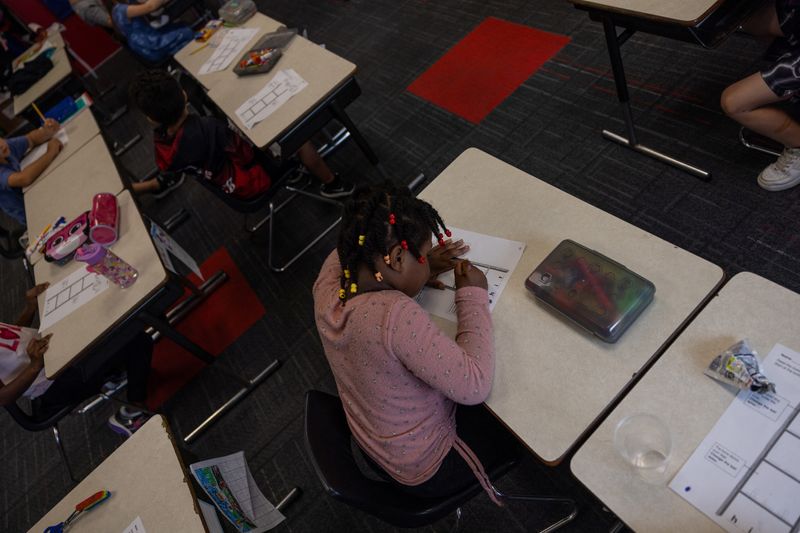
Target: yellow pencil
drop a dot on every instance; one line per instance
(35, 108)
(193, 52)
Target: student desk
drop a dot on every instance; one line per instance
(705, 22)
(146, 478)
(690, 403)
(76, 333)
(60, 71)
(80, 129)
(552, 381)
(331, 87)
(68, 190)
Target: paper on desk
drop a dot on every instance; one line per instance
(277, 92)
(230, 48)
(496, 257)
(69, 294)
(768, 500)
(39, 151)
(166, 245)
(230, 485)
(135, 527)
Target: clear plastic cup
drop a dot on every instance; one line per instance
(644, 441)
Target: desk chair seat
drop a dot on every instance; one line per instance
(328, 444)
(34, 423)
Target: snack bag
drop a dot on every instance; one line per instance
(739, 366)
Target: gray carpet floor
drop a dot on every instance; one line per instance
(550, 127)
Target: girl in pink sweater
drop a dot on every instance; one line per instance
(400, 378)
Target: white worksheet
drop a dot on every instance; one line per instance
(745, 475)
(230, 475)
(277, 92)
(39, 151)
(72, 292)
(135, 527)
(231, 47)
(496, 257)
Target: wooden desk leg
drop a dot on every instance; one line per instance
(613, 43)
(362, 143)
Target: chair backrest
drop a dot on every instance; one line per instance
(32, 423)
(328, 444)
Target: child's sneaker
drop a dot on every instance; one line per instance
(168, 181)
(126, 425)
(782, 174)
(337, 188)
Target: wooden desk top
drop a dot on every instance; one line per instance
(146, 478)
(680, 12)
(61, 69)
(689, 402)
(73, 334)
(192, 62)
(69, 188)
(323, 70)
(81, 129)
(553, 380)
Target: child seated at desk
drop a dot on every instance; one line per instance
(207, 147)
(13, 178)
(92, 12)
(153, 44)
(749, 101)
(410, 393)
(22, 372)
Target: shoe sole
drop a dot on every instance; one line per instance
(775, 187)
(335, 194)
(119, 429)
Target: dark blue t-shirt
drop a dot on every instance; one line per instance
(11, 197)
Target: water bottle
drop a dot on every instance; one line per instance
(103, 261)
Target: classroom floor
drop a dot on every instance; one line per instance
(549, 127)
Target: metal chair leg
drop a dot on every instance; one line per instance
(457, 526)
(63, 452)
(543, 499)
(754, 145)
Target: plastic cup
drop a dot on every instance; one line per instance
(644, 441)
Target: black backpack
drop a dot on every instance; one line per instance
(31, 72)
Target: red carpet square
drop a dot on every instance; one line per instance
(224, 316)
(485, 67)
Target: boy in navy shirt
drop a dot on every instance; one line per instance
(13, 178)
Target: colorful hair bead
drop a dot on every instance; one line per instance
(387, 259)
(392, 219)
(448, 233)
(440, 237)
(346, 274)
(378, 277)
(353, 288)
(361, 239)
(342, 294)
(404, 244)
(421, 260)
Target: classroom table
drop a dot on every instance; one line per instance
(331, 87)
(146, 478)
(690, 403)
(552, 381)
(81, 128)
(704, 22)
(75, 334)
(60, 71)
(68, 190)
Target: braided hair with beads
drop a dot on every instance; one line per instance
(377, 218)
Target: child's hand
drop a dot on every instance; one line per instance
(469, 276)
(32, 294)
(50, 127)
(36, 349)
(442, 258)
(54, 146)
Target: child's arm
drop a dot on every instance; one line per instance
(28, 175)
(10, 392)
(43, 134)
(31, 305)
(139, 10)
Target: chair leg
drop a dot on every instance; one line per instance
(457, 526)
(63, 452)
(543, 499)
(754, 145)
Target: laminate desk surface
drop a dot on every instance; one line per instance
(146, 479)
(681, 12)
(552, 380)
(81, 129)
(61, 69)
(68, 190)
(74, 333)
(690, 403)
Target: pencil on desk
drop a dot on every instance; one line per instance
(193, 52)
(38, 112)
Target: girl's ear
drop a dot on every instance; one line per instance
(396, 258)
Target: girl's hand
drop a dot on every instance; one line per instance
(469, 276)
(50, 128)
(32, 295)
(442, 258)
(36, 349)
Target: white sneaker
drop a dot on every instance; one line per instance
(782, 174)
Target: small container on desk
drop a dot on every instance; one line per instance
(102, 261)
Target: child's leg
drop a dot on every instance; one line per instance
(135, 357)
(314, 163)
(146, 186)
(747, 102)
(764, 22)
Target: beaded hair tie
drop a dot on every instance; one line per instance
(361, 239)
(378, 277)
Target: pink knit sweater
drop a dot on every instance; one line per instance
(400, 377)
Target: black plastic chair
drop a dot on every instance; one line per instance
(328, 444)
(32, 423)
